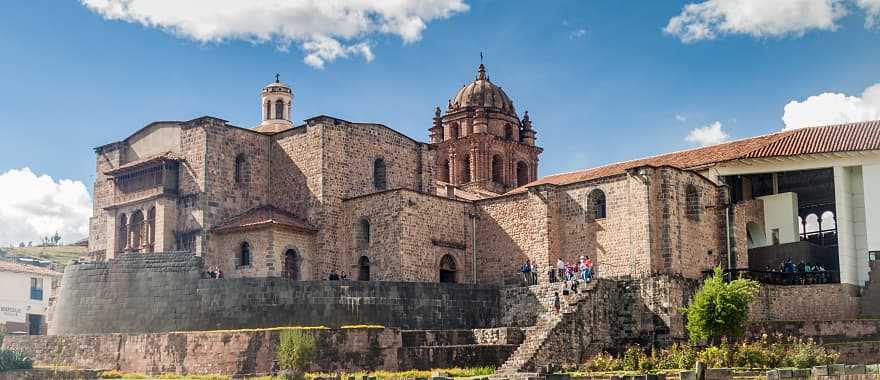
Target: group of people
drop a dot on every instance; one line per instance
(790, 273)
(333, 276)
(788, 266)
(213, 272)
(583, 269)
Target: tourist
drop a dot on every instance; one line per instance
(534, 272)
(582, 267)
(526, 270)
(560, 268)
(556, 303)
(219, 273)
(333, 276)
(589, 267)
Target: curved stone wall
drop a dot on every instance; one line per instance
(164, 292)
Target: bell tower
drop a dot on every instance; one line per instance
(481, 143)
(276, 104)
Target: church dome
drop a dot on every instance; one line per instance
(276, 86)
(482, 93)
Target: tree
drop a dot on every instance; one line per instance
(295, 352)
(719, 309)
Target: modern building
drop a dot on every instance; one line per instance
(24, 301)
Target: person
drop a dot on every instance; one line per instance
(526, 272)
(534, 272)
(582, 267)
(344, 276)
(219, 273)
(589, 265)
(560, 268)
(788, 266)
(333, 276)
(556, 303)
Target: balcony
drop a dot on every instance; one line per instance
(37, 294)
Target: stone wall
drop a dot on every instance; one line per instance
(827, 331)
(165, 292)
(805, 302)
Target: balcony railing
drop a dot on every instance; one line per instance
(36, 294)
(785, 278)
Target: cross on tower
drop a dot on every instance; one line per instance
(277, 76)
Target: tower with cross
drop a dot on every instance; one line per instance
(276, 104)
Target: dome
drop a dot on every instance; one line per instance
(277, 86)
(482, 93)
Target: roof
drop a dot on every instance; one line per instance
(11, 266)
(264, 216)
(482, 93)
(167, 156)
(850, 137)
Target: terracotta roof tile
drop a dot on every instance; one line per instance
(824, 139)
(264, 216)
(11, 266)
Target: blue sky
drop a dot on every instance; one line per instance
(602, 80)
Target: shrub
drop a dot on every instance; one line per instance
(295, 352)
(719, 309)
(806, 354)
(10, 360)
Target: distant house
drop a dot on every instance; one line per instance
(24, 301)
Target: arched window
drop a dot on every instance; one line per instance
(291, 265)
(448, 269)
(597, 204)
(453, 131)
(522, 173)
(692, 203)
(244, 254)
(279, 109)
(465, 175)
(443, 170)
(122, 234)
(268, 110)
(364, 269)
(811, 225)
(379, 182)
(363, 234)
(497, 169)
(136, 228)
(508, 132)
(151, 229)
(240, 174)
(828, 222)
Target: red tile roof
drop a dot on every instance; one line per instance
(11, 266)
(264, 216)
(825, 139)
(167, 156)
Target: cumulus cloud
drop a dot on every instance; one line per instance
(707, 135)
(872, 10)
(575, 34)
(324, 29)
(33, 206)
(758, 18)
(681, 118)
(833, 108)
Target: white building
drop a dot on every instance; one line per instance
(24, 299)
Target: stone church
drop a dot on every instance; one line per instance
(304, 201)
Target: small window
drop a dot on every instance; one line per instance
(522, 173)
(268, 110)
(692, 202)
(363, 234)
(364, 269)
(597, 204)
(379, 179)
(36, 288)
(279, 109)
(448, 269)
(465, 170)
(240, 174)
(497, 169)
(244, 255)
(508, 132)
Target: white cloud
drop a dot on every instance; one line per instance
(872, 10)
(757, 18)
(575, 34)
(324, 29)
(33, 206)
(707, 135)
(833, 108)
(681, 118)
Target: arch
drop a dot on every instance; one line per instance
(497, 169)
(363, 234)
(464, 175)
(448, 269)
(828, 221)
(364, 269)
(244, 254)
(597, 204)
(508, 132)
(692, 203)
(443, 170)
(240, 172)
(136, 229)
(379, 178)
(801, 226)
(522, 173)
(291, 265)
(279, 109)
(151, 229)
(755, 234)
(454, 131)
(268, 109)
(811, 224)
(122, 234)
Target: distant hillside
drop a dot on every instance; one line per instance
(60, 255)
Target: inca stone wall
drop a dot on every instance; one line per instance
(805, 302)
(165, 292)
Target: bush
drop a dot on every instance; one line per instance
(295, 352)
(10, 360)
(719, 309)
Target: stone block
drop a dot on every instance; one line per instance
(719, 373)
(821, 370)
(836, 369)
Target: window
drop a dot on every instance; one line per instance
(448, 269)
(775, 234)
(36, 288)
(151, 228)
(379, 182)
(363, 234)
(240, 171)
(465, 169)
(692, 203)
(364, 269)
(291, 265)
(268, 110)
(122, 234)
(597, 205)
(244, 255)
(443, 170)
(453, 131)
(497, 169)
(136, 229)
(522, 173)
(279, 109)
(508, 132)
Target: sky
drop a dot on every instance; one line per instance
(603, 81)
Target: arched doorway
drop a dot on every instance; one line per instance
(448, 269)
(364, 269)
(291, 265)
(136, 229)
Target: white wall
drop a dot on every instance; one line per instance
(851, 235)
(15, 298)
(781, 211)
(871, 187)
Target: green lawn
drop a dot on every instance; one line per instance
(60, 255)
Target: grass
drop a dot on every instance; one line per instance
(61, 255)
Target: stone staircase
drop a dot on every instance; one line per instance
(520, 364)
